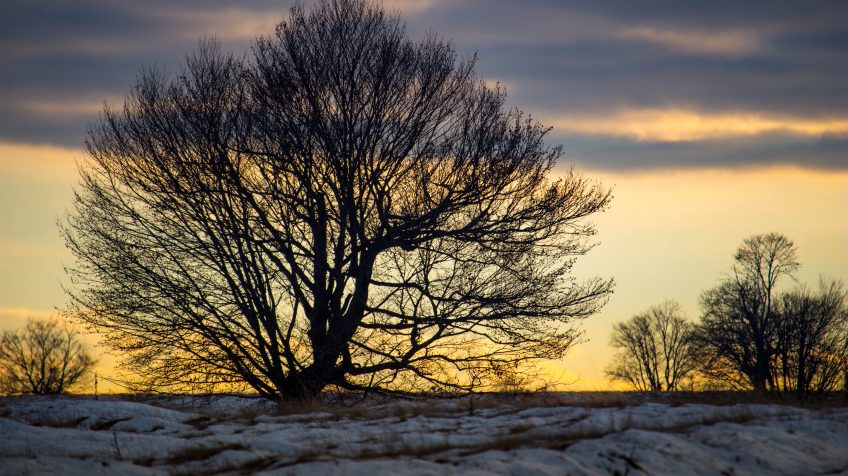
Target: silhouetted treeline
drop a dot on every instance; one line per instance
(750, 336)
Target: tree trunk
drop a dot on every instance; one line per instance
(309, 383)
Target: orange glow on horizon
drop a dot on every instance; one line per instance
(681, 125)
(669, 234)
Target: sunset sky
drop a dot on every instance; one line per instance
(712, 121)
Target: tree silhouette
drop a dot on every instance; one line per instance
(813, 339)
(346, 207)
(740, 324)
(43, 359)
(751, 336)
(656, 351)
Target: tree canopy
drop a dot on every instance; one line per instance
(343, 207)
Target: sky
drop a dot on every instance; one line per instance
(712, 121)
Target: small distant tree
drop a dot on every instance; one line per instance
(655, 349)
(45, 358)
(739, 330)
(813, 339)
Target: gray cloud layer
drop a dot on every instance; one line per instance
(60, 61)
(827, 152)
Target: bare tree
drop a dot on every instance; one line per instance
(346, 207)
(655, 349)
(813, 339)
(740, 324)
(45, 358)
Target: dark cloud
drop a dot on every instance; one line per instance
(827, 152)
(62, 60)
(602, 76)
(771, 58)
(711, 14)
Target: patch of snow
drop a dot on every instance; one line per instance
(90, 437)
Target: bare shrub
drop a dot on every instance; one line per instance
(656, 352)
(45, 358)
(812, 353)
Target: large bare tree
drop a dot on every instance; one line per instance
(345, 207)
(655, 349)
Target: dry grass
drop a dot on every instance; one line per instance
(722, 398)
(362, 407)
(312, 405)
(357, 406)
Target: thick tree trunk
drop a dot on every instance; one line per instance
(309, 383)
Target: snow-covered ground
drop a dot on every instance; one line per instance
(492, 435)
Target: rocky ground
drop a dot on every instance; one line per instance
(485, 434)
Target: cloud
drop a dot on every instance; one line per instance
(30, 163)
(227, 24)
(680, 125)
(14, 318)
(601, 76)
(25, 312)
(730, 43)
(407, 7)
(765, 150)
(61, 107)
(654, 72)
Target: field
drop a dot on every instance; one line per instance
(558, 433)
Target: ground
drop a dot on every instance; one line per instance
(481, 435)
